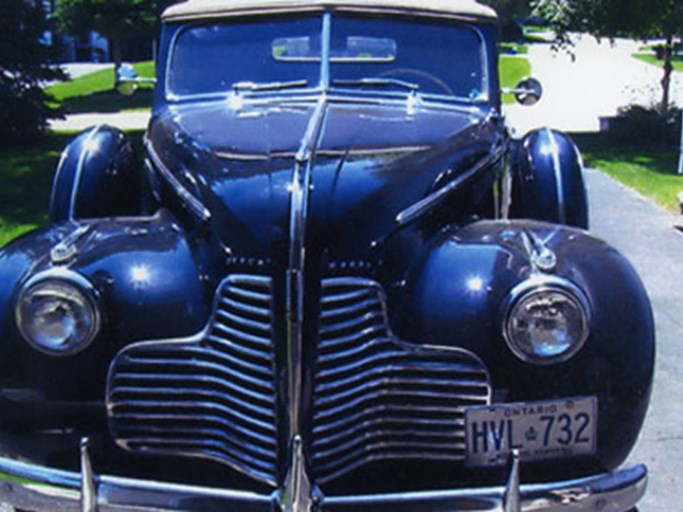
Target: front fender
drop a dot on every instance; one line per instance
(547, 180)
(151, 282)
(97, 176)
(455, 294)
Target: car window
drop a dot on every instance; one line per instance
(438, 58)
(211, 58)
(365, 52)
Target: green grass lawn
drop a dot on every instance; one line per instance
(651, 58)
(26, 180)
(512, 69)
(95, 92)
(650, 171)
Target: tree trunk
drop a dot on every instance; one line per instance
(115, 54)
(667, 57)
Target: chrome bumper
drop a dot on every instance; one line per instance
(42, 489)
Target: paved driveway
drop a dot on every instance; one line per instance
(596, 81)
(645, 234)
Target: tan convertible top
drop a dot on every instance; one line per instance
(194, 9)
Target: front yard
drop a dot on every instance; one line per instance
(650, 171)
(95, 92)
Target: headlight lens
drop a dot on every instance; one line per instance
(546, 320)
(57, 313)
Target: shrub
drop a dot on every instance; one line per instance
(23, 112)
(24, 67)
(643, 126)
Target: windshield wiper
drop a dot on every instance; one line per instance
(375, 82)
(268, 86)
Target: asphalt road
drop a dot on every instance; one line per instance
(646, 234)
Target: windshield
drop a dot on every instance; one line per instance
(369, 53)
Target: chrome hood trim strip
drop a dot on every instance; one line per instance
(425, 205)
(300, 191)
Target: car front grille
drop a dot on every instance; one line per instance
(377, 398)
(212, 396)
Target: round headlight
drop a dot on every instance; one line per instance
(546, 320)
(57, 312)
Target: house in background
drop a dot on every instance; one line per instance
(91, 46)
(85, 47)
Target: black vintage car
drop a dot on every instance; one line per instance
(336, 283)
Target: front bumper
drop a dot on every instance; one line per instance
(33, 487)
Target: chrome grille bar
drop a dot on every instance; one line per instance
(373, 393)
(210, 396)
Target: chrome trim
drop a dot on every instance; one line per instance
(195, 205)
(88, 486)
(62, 160)
(426, 204)
(379, 398)
(542, 258)
(542, 283)
(294, 301)
(67, 249)
(325, 53)
(511, 497)
(557, 169)
(78, 281)
(79, 169)
(295, 496)
(327, 17)
(222, 407)
(299, 190)
(77, 173)
(43, 489)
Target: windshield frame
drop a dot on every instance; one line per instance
(324, 83)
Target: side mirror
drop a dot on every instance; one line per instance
(127, 80)
(528, 92)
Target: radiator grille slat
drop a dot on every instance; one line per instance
(214, 395)
(210, 396)
(376, 398)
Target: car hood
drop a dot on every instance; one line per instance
(362, 165)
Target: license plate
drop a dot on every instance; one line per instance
(537, 430)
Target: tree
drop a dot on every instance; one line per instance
(510, 13)
(113, 19)
(24, 67)
(640, 19)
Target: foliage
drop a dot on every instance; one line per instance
(24, 66)
(641, 126)
(650, 171)
(613, 18)
(510, 13)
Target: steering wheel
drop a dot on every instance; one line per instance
(417, 73)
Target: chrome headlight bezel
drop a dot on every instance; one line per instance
(535, 288)
(77, 299)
